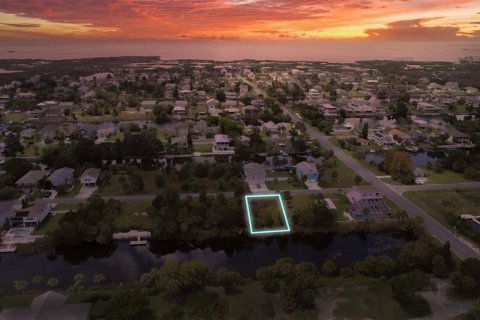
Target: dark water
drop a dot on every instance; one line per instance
(420, 159)
(121, 262)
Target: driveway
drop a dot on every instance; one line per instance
(86, 192)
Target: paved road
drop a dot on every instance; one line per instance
(463, 249)
(434, 186)
(150, 197)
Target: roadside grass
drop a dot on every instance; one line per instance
(133, 217)
(446, 176)
(438, 202)
(202, 147)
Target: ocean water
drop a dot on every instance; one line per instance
(224, 50)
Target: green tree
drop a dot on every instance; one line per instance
(52, 282)
(227, 279)
(329, 268)
(405, 287)
(357, 179)
(20, 285)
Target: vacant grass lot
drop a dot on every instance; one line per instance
(267, 213)
(446, 176)
(113, 187)
(344, 179)
(437, 202)
(202, 147)
(285, 185)
(133, 217)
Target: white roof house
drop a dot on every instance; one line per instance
(90, 176)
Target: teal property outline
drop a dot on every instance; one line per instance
(249, 214)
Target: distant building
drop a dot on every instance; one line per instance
(222, 142)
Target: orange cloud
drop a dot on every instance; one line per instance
(244, 19)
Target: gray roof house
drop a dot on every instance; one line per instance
(49, 306)
(90, 177)
(31, 179)
(254, 173)
(61, 176)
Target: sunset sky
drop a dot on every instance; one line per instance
(392, 20)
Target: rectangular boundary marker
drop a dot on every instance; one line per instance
(282, 209)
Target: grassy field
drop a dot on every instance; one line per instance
(278, 174)
(113, 187)
(133, 217)
(345, 176)
(66, 206)
(266, 213)
(202, 147)
(285, 185)
(447, 176)
(15, 117)
(50, 224)
(437, 202)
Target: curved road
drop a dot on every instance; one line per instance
(462, 248)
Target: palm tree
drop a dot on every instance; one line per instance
(37, 280)
(20, 285)
(52, 282)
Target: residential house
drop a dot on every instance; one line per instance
(61, 176)
(148, 104)
(329, 111)
(28, 133)
(182, 129)
(367, 202)
(179, 143)
(399, 136)
(30, 216)
(106, 129)
(30, 180)
(270, 127)
(49, 306)
(90, 177)
(426, 107)
(179, 112)
(307, 170)
(254, 173)
(456, 136)
(87, 130)
(222, 142)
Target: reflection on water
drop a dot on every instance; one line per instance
(121, 262)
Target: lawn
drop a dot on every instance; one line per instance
(267, 213)
(133, 217)
(66, 206)
(437, 202)
(202, 147)
(368, 299)
(113, 187)
(345, 176)
(29, 150)
(50, 224)
(299, 202)
(285, 185)
(16, 301)
(72, 193)
(447, 176)
(278, 174)
(15, 117)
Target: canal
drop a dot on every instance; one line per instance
(121, 262)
